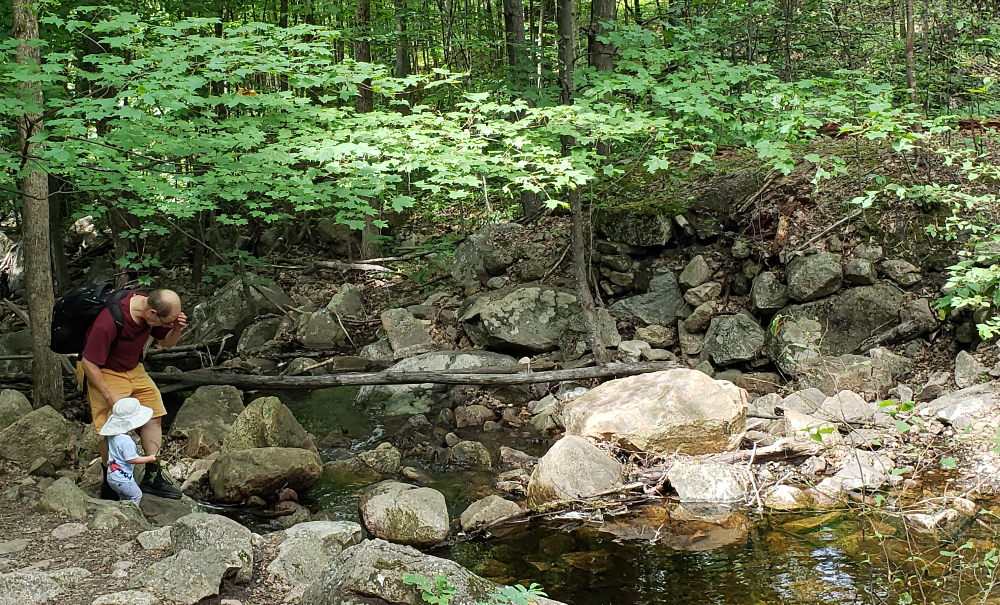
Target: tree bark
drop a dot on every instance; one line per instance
(601, 55)
(566, 24)
(47, 380)
(911, 36)
(60, 265)
(363, 52)
(402, 41)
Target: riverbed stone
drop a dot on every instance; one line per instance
(701, 317)
(573, 468)
(42, 432)
(26, 587)
(811, 429)
(384, 459)
(409, 399)
(350, 579)
(320, 330)
(703, 293)
(405, 514)
(968, 370)
(871, 374)
(632, 351)
(976, 401)
(708, 482)
(695, 273)
(768, 294)
(659, 337)
(902, 272)
(860, 272)
(210, 409)
(634, 227)
(846, 406)
(407, 335)
(852, 316)
(232, 309)
(486, 511)
(679, 410)
(530, 317)
(267, 422)
(471, 454)
(787, 498)
(662, 304)
(186, 577)
(13, 406)
(237, 475)
(814, 276)
(473, 415)
(733, 338)
(484, 254)
(310, 547)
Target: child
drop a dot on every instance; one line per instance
(126, 415)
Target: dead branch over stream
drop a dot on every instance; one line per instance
(196, 379)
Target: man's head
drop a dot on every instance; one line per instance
(162, 308)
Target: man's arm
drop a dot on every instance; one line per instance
(175, 333)
(96, 379)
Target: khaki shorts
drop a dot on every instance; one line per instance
(134, 383)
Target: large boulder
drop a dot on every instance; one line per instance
(186, 577)
(791, 341)
(27, 587)
(573, 468)
(634, 226)
(258, 334)
(210, 409)
(320, 330)
(231, 541)
(852, 316)
(814, 276)
(232, 309)
(677, 410)
(373, 572)
(711, 482)
(733, 338)
(530, 318)
(872, 375)
(407, 335)
(261, 472)
(409, 399)
(405, 514)
(267, 422)
(43, 432)
(310, 547)
(484, 254)
(662, 304)
(13, 406)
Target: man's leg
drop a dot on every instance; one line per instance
(151, 435)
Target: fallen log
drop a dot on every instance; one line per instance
(196, 379)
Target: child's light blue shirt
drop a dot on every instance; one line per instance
(121, 449)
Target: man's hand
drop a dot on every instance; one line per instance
(180, 323)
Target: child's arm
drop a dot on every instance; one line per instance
(142, 460)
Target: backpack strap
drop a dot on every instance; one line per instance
(114, 305)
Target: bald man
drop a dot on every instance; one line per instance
(110, 363)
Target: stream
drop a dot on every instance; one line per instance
(661, 553)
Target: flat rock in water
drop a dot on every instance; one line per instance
(711, 482)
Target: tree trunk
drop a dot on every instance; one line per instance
(48, 387)
(363, 52)
(402, 41)
(60, 265)
(565, 11)
(600, 55)
(911, 36)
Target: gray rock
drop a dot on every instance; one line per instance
(380, 350)
(767, 293)
(703, 293)
(473, 415)
(232, 309)
(155, 539)
(384, 459)
(12, 547)
(733, 338)
(186, 577)
(529, 317)
(846, 406)
(786, 498)
(489, 248)
(228, 540)
(678, 410)
(573, 468)
(872, 375)
(297, 367)
(701, 317)
(347, 302)
(866, 470)
(127, 597)
(852, 316)
(27, 587)
(860, 272)
(211, 409)
(237, 475)
(741, 249)
(267, 422)
(791, 341)
(13, 406)
(691, 343)
(409, 399)
(976, 401)
(16, 343)
(42, 432)
(258, 334)
(811, 430)
(814, 276)
(968, 370)
(407, 335)
(320, 330)
(70, 576)
(471, 454)
(695, 273)
(310, 547)
(617, 262)
(64, 497)
(164, 511)
(711, 482)
(662, 304)
(405, 514)
(351, 580)
(634, 227)
(806, 401)
(486, 511)
(498, 283)
(657, 336)
(868, 252)
(631, 351)
(903, 273)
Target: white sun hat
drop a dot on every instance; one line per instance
(127, 414)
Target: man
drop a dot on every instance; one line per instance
(110, 363)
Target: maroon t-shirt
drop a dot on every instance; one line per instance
(106, 349)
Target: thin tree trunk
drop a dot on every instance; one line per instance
(60, 265)
(565, 13)
(47, 374)
(402, 41)
(911, 35)
(363, 54)
(601, 55)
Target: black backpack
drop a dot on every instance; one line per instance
(77, 309)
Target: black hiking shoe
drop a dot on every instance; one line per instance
(156, 484)
(106, 492)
